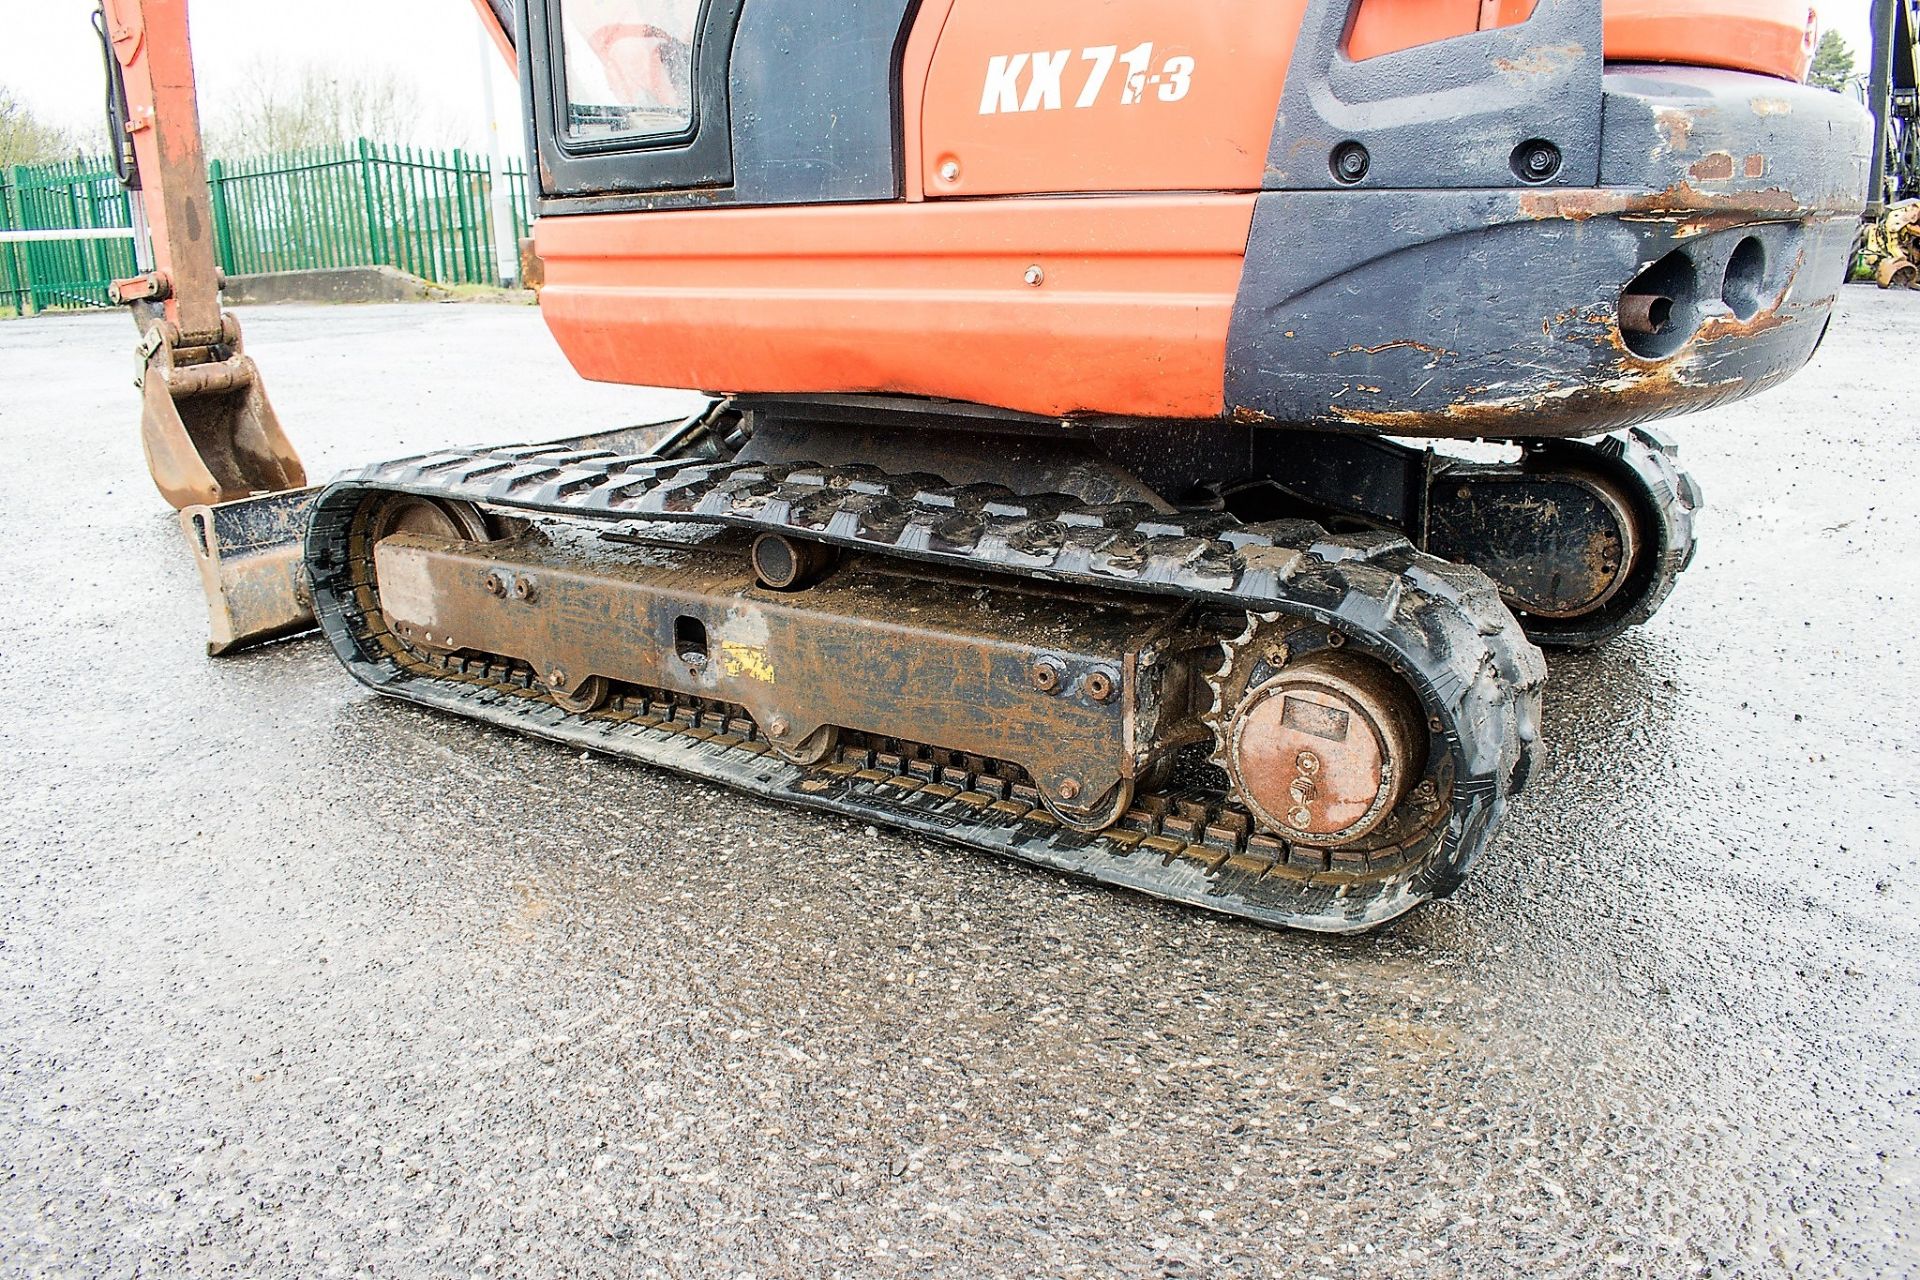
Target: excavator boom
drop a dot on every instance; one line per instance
(213, 442)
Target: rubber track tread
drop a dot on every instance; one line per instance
(1442, 624)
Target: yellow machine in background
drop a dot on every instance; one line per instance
(1889, 249)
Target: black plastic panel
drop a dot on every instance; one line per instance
(815, 115)
(1495, 312)
(1447, 114)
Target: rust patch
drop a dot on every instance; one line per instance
(1717, 328)
(852, 653)
(1436, 352)
(1716, 166)
(1541, 60)
(1676, 127)
(1681, 199)
(1771, 107)
(1628, 392)
(1756, 166)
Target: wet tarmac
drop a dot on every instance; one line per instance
(298, 982)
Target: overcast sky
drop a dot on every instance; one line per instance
(50, 58)
(48, 55)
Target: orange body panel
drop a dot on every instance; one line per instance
(1138, 95)
(916, 62)
(1044, 306)
(1388, 26)
(1126, 95)
(1773, 37)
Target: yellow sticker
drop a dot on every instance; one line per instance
(738, 659)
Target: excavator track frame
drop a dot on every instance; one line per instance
(1442, 627)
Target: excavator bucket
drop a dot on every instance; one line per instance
(212, 440)
(209, 431)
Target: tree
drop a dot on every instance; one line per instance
(27, 139)
(1832, 63)
(273, 110)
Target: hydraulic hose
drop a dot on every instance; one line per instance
(125, 166)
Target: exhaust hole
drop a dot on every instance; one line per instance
(1742, 290)
(1645, 313)
(1659, 308)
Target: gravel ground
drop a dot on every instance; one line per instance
(295, 981)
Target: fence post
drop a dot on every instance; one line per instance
(90, 258)
(376, 241)
(222, 229)
(469, 267)
(22, 260)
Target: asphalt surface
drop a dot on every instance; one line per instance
(295, 981)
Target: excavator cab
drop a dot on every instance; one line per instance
(1078, 483)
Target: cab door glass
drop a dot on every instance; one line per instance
(629, 68)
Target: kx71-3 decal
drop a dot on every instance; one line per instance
(1037, 81)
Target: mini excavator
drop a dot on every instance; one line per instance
(1077, 484)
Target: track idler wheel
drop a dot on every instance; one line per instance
(393, 513)
(384, 515)
(1585, 539)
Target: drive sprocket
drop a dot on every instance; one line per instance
(1326, 747)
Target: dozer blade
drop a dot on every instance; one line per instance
(248, 552)
(248, 549)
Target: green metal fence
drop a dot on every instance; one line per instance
(61, 197)
(427, 212)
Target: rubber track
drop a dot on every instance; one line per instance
(1444, 625)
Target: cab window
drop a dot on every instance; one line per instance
(629, 68)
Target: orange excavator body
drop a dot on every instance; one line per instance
(1052, 501)
(1073, 214)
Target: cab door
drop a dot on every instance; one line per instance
(628, 95)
